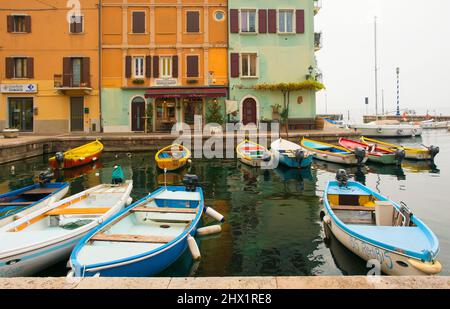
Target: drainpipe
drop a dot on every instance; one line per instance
(100, 62)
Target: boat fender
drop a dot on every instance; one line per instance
(214, 214)
(434, 150)
(208, 230)
(195, 252)
(129, 201)
(400, 155)
(326, 219)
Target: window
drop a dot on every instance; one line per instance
(138, 67)
(285, 21)
(248, 63)
(219, 15)
(20, 68)
(193, 22)
(19, 24)
(138, 22)
(192, 66)
(248, 21)
(76, 24)
(165, 67)
(76, 72)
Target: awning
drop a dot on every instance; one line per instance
(185, 92)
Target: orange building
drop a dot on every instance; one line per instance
(49, 66)
(163, 62)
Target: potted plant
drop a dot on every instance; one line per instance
(276, 111)
(10, 132)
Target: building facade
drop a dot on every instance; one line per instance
(163, 62)
(272, 42)
(49, 67)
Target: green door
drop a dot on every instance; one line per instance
(21, 114)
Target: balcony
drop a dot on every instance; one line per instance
(317, 6)
(318, 38)
(68, 86)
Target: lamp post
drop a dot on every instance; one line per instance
(398, 91)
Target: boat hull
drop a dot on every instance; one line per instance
(383, 159)
(250, 162)
(172, 165)
(388, 131)
(295, 163)
(410, 153)
(79, 156)
(346, 160)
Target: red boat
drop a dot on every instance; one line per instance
(78, 156)
(376, 154)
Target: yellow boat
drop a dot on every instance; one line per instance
(422, 153)
(172, 157)
(78, 156)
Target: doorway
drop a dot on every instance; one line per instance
(138, 114)
(21, 115)
(165, 114)
(76, 114)
(249, 111)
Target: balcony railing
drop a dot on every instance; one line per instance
(69, 85)
(317, 6)
(318, 38)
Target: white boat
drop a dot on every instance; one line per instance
(47, 236)
(432, 124)
(291, 154)
(385, 128)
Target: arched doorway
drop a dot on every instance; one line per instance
(249, 111)
(138, 114)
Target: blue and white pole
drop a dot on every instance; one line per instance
(398, 91)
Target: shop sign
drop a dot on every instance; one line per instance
(18, 88)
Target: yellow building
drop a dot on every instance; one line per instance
(163, 62)
(49, 66)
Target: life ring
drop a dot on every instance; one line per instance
(379, 130)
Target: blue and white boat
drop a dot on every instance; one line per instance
(21, 202)
(377, 229)
(291, 154)
(145, 238)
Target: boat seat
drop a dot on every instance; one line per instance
(131, 238)
(16, 203)
(165, 209)
(362, 221)
(355, 208)
(77, 211)
(40, 191)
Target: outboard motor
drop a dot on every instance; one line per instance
(45, 177)
(117, 175)
(434, 150)
(399, 155)
(59, 156)
(266, 157)
(299, 155)
(190, 182)
(360, 154)
(342, 177)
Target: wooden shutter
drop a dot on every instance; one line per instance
(138, 22)
(192, 66)
(234, 21)
(79, 25)
(67, 71)
(175, 66)
(148, 66)
(9, 65)
(156, 66)
(127, 66)
(272, 16)
(300, 21)
(10, 23)
(72, 26)
(262, 21)
(86, 71)
(30, 67)
(28, 24)
(193, 22)
(234, 65)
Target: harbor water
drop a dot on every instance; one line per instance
(272, 217)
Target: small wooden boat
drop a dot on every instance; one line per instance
(145, 238)
(78, 156)
(253, 154)
(173, 157)
(47, 236)
(19, 203)
(335, 154)
(291, 154)
(375, 228)
(376, 154)
(422, 153)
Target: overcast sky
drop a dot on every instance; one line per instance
(413, 35)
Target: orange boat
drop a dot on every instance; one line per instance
(78, 156)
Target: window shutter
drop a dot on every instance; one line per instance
(72, 27)
(9, 67)
(79, 26)
(234, 21)
(262, 20)
(67, 71)
(156, 66)
(192, 66)
(234, 65)
(300, 21)
(272, 21)
(127, 66)
(192, 22)
(28, 24)
(148, 66)
(175, 66)
(10, 23)
(86, 73)
(30, 67)
(138, 22)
